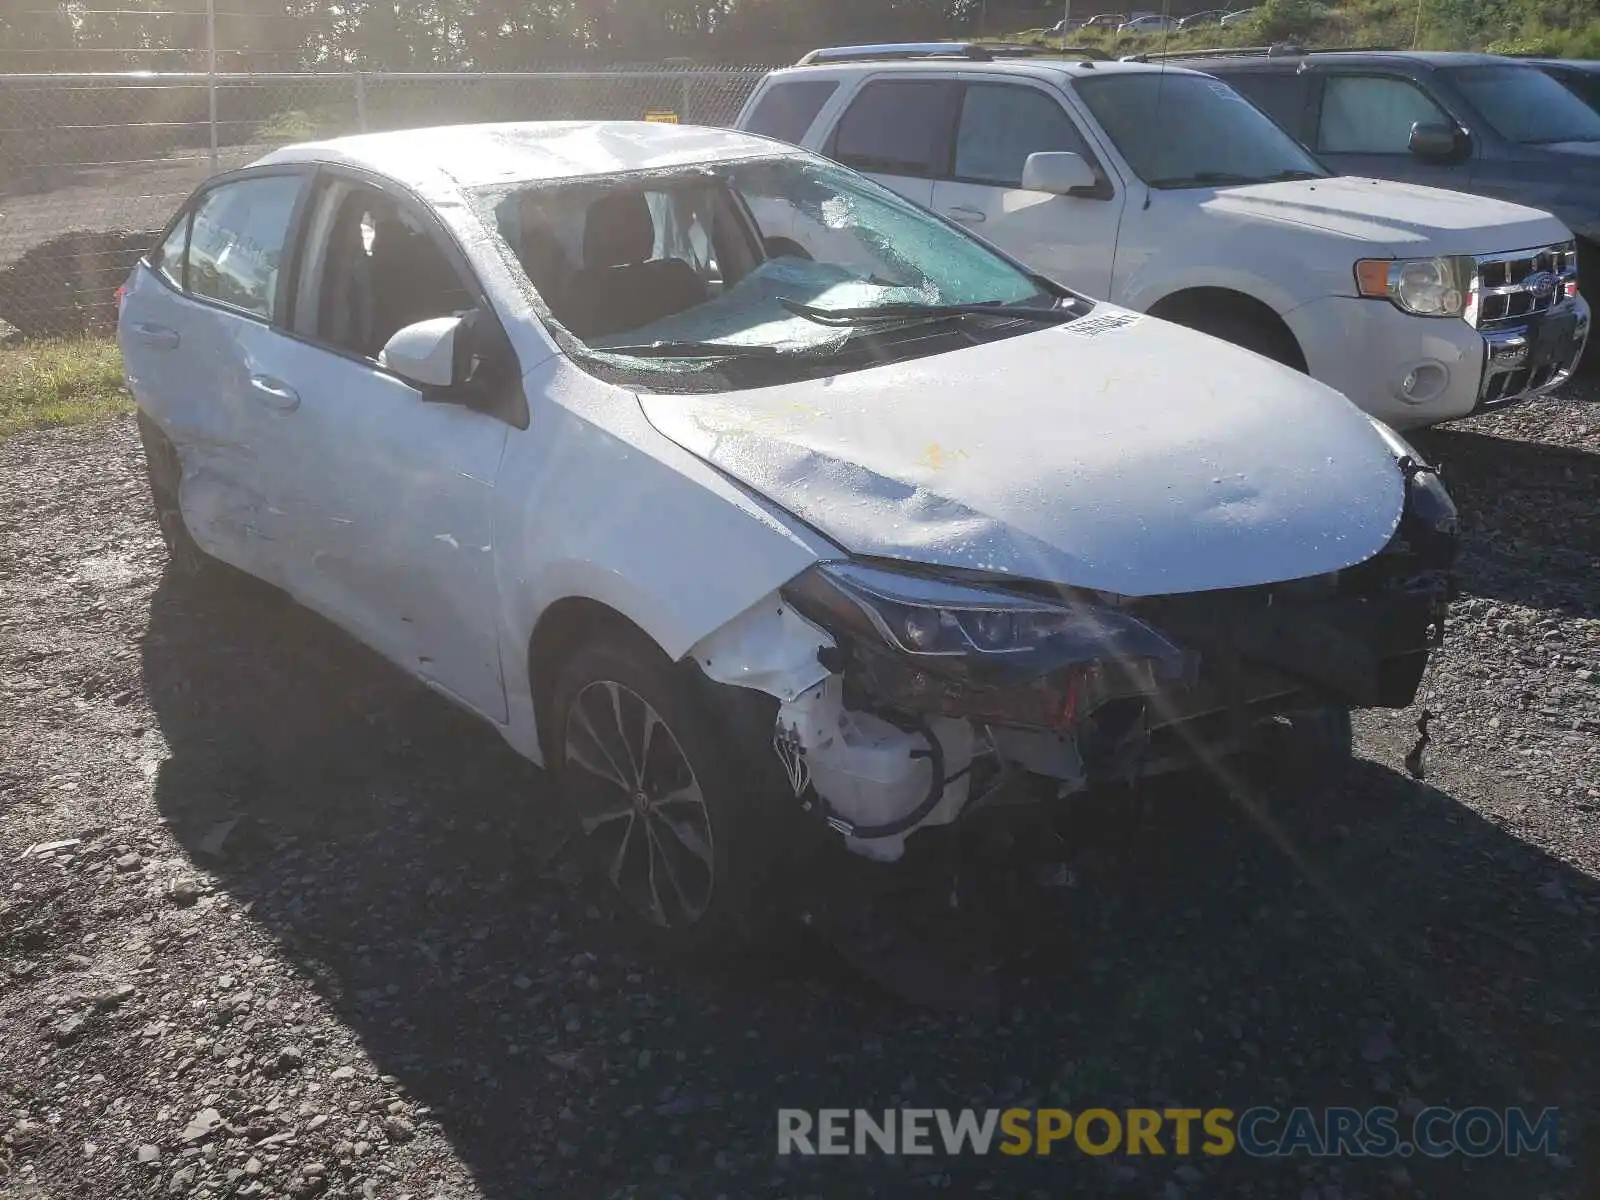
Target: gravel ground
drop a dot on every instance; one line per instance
(311, 932)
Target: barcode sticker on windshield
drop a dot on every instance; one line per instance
(1104, 323)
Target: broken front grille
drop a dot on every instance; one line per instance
(1513, 287)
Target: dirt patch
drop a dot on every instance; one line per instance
(275, 921)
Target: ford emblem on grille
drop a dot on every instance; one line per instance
(1542, 284)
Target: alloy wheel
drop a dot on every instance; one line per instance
(639, 804)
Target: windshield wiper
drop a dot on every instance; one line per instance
(901, 312)
(689, 350)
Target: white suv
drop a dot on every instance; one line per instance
(1166, 191)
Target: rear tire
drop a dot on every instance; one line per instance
(651, 784)
(165, 471)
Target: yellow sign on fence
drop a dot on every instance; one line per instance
(661, 116)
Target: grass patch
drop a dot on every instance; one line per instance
(302, 125)
(59, 382)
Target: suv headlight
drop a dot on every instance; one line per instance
(1424, 287)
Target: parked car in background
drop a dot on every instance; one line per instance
(1105, 21)
(1165, 191)
(1151, 23)
(1580, 76)
(1209, 16)
(1472, 122)
(1238, 16)
(758, 548)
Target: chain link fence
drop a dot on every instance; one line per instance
(91, 166)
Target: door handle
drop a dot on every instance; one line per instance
(158, 336)
(275, 393)
(966, 215)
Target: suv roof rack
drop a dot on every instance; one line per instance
(971, 51)
(1279, 50)
(1274, 51)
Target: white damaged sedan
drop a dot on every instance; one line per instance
(760, 506)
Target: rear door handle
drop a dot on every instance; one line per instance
(966, 215)
(158, 336)
(275, 393)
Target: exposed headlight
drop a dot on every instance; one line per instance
(939, 645)
(1424, 287)
(935, 618)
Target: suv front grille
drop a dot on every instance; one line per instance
(1501, 286)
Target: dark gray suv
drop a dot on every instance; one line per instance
(1470, 122)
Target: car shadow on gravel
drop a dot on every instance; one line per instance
(1530, 522)
(1371, 943)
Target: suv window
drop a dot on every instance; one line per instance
(372, 268)
(236, 242)
(788, 109)
(898, 128)
(1370, 114)
(1001, 124)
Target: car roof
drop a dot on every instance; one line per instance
(1035, 68)
(1267, 62)
(530, 151)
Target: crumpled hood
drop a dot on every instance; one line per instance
(1406, 218)
(1118, 453)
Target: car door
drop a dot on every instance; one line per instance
(1364, 123)
(392, 489)
(898, 131)
(1072, 239)
(196, 334)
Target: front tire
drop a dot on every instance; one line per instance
(1248, 331)
(648, 779)
(1309, 747)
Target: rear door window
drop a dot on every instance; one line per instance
(788, 109)
(899, 127)
(237, 241)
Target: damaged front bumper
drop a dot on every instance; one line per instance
(921, 694)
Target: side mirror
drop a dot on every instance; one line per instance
(1437, 142)
(1059, 172)
(428, 353)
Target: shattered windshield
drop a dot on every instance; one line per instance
(745, 260)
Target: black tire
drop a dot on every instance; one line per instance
(1248, 331)
(1309, 746)
(164, 471)
(702, 842)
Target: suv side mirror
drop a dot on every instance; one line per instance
(1059, 172)
(1437, 142)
